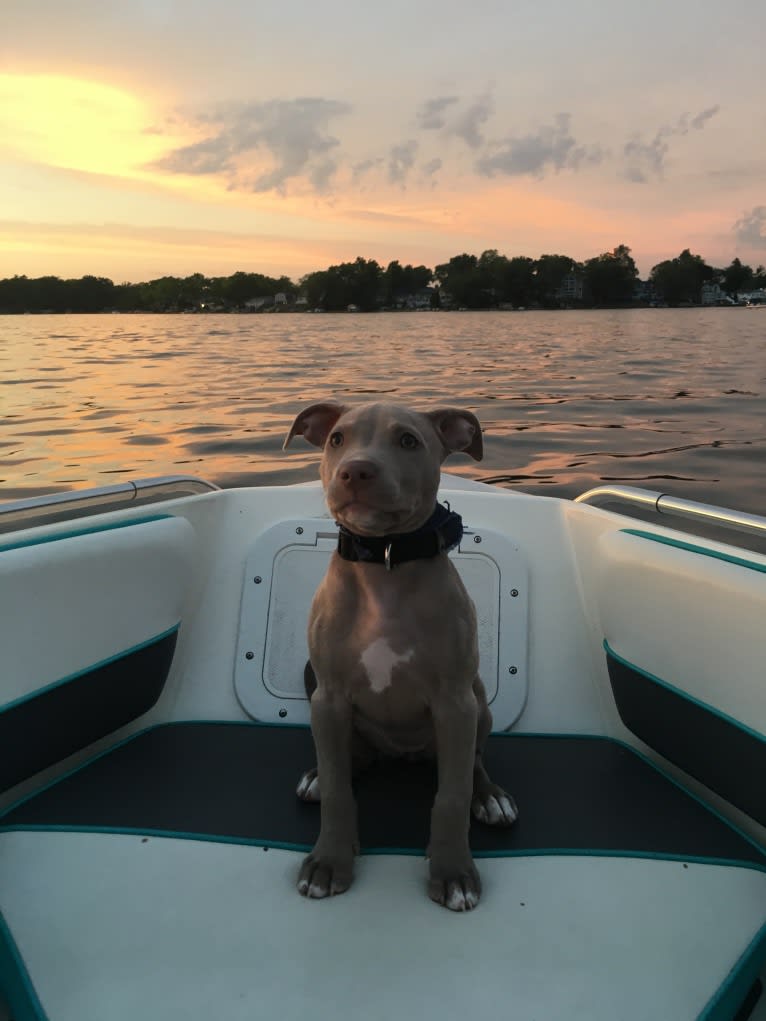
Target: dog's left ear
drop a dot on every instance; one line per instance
(315, 422)
(458, 430)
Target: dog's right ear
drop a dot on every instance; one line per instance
(315, 423)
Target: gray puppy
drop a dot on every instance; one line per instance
(392, 640)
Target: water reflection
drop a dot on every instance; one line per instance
(660, 398)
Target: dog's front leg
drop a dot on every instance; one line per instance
(328, 869)
(454, 880)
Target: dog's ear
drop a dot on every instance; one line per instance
(315, 422)
(458, 430)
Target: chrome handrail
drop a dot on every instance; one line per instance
(662, 503)
(79, 503)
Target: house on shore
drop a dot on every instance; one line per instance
(259, 303)
(713, 294)
(571, 289)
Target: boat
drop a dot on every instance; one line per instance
(154, 724)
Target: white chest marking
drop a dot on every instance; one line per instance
(379, 660)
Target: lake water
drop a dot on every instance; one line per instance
(660, 398)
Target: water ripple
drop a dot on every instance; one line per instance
(676, 398)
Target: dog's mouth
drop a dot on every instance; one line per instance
(365, 518)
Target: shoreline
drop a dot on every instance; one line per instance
(375, 311)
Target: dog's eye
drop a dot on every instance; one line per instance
(408, 441)
(336, 440)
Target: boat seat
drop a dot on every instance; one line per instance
(158, 881)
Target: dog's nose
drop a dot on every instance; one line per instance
(356, 471)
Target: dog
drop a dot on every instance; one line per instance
(392, 640)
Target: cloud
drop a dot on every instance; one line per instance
(375, 216)
(360, 170)
(430, 116)
(464, 124)
(263, 146)
(701, 119)
(210, 156)
(400, 161)
(646, 160)
(467, 124)
(551, 147)
(294, 133)
(750, 229)
(321, 174)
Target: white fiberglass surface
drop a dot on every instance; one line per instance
(166, 929)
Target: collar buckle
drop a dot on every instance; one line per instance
(387, 556)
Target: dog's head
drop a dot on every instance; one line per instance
(381, 462)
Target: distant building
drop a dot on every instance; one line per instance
(572, 288)
(713, 294)
(420, 299)
(261, 302)
(643, 291)
(754, 297)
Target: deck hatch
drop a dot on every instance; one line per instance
(284, 568)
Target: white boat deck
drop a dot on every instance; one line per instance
(122, 927)
(156, 881)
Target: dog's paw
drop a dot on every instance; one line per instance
(494, 807)
(308, 786)
(325, 875)
(460, 891)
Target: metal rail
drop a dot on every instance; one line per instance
(661, 503)
(80, 503)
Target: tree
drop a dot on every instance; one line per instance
(12, 294)
(460, 280)
(550, 272)
(466, 280)
(349, 283)
(194, 291)
(487, 280)
(610, 278)
(163, 293)
(314, 287)
(234, 291)
(90, 294)
(419, 277)
(364, 280)
(401, 281)
(520, 281)
(393, 283)
(737, 277)
(680, 280)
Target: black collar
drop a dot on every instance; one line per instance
(441, 533)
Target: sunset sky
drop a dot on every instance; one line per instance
(157, 137)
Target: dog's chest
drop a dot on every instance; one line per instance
(389, 686)
(388, 661)
(379, 660)
(389, 639)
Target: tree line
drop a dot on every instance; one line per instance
(490, 280)
(166, 294)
